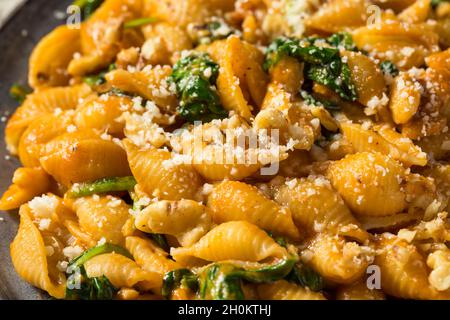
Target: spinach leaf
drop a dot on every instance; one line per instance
(98, 78)
(104, 185)
(306, 277)
(435, 3)
(195, 78)
(342, 40)
(389, 68)
(322, 64)
(88, 7)
(80, 286)
(98, 250)
(216, 29)
(160, 240)
(139, 22)
(178, 278)
(219, 282)
(19, 92)
(314, 101)
(223, 281)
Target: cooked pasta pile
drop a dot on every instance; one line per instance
(344, 195)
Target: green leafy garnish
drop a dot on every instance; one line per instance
(80, 286)
(313, 101)
(306, 277)
(435, 3)
(160, 240)
(342, 39)
(139, 22)
(19, 92)
(98, 250)
(389, 68)
(105, 185)
(176, 279)
(216, 29)
(322, 64)
(98, 78)
(88, 7)
(219, 282)
(195, 78)
(223, 281)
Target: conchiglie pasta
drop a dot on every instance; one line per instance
(101, 35)
(39, 133)
(183, 13)
(405, 45)
(50, 58)
(170, 39)
(236, 240)
(358, 178)
(337, 260)
(366, 76)
(316, 207)
(439, 261)
(102, 217)
(29, 257)
(27, 183)
(82, 156)
(232, 201)
(40, 103)
(150, 83)
(338, 15)
(405, 99)
(383, 140)
(186, 220)
(121, 271)
(149, 256)
(103, 113)
(159, 177)
(403, 269)
(283, 290)
(359, 291)
(242, 82)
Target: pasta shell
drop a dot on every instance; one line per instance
(41, 103)
(103, 113)
(242, 82)
(316, 207)
(236, 240)
(82, 156)
(27, 184)
(403, 270)
(366, 76)
(150, 83)
(338, 15)
(336, 260)
(406, 44)
(233, 201)
(359, 291)
(50, 58)
(29, 257)
(159, 178)
(39, 133)
(149, 256)
(102, 217)
(358, 178)
(385, 141)
(189, 11)
(283, 290)
(122, 272)
(187, 220)
(101, 35)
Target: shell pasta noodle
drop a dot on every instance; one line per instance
(225, 149)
